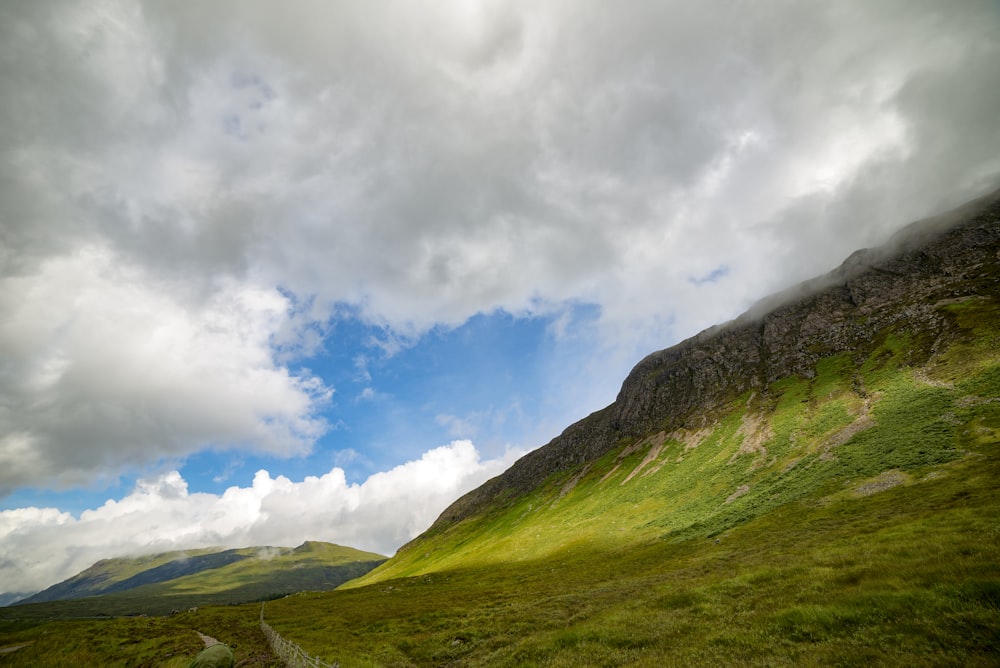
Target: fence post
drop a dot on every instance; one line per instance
(293, 655)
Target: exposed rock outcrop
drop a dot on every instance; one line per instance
(900, 286)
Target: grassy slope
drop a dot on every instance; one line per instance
(849, 517)
(171, 642)
(109, 572)
(313, 566)
(318, 566)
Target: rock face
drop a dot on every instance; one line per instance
(899, 287)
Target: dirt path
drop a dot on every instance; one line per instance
(208, 640)
(14, 648)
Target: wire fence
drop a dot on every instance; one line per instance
(293, 655)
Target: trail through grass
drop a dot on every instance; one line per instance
(136, 642)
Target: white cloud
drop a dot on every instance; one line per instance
(106, 367)
(40, 546)
(167, 167)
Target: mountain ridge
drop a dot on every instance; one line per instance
(100, 578)
(679, 388)
(156, 583)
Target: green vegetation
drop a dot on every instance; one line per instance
(172, 641)
(263, 573)
(137, 642)
(893, 577)
(109, 574)
(848, 518)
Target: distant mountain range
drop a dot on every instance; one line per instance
(11, 597)
(161, 583)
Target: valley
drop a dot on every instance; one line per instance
(814, 483)
(858, 532)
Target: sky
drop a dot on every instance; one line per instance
(275, 272)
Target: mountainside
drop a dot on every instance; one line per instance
(904, 287)
(160, 583)
(814, 483)
(866, 370)
(110, 575)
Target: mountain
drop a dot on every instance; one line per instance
(112, 575)
(160, 583)
(907, 287)
(789, 387)
(12, 597)
(812, 483)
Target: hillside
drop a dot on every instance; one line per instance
(902, 289)
(162, 583)
(814, 482)
(119, 574)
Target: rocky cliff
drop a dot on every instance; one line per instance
(897, 287)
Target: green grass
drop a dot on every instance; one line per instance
(123, 642)
(909, 575)
(111, 571)
(852, 517)
(137, 642)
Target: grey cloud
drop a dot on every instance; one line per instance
(105, 369)
(426, 162)
(394, 166)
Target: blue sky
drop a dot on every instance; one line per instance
(497, 379)
(311, 271)
(501, 380)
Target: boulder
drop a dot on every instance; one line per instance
(216, 656)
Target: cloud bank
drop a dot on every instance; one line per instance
(41, 546)
(191, 193)
(101, 364)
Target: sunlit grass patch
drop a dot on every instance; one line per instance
(859, 527)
